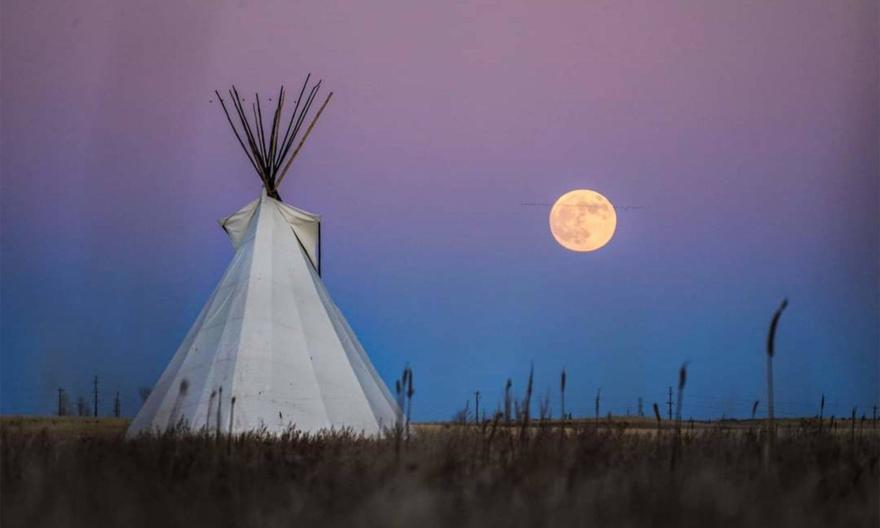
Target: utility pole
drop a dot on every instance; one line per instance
(116, 405)
(874, 419)
(641, 408)
(61, 410)
(598, 398)
(96, 395)
(669, 403)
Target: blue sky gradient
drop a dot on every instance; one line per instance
(741, 140)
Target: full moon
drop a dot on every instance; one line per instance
(582, 220)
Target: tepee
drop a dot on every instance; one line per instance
(270, 350)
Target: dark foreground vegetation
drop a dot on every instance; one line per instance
(444, 475)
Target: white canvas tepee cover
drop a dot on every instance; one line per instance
(270, 349)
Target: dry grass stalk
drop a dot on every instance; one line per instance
(527, 403)
(476, 406)
(657, 415)
(771, 338)
(219, 409)
(507, 409)
(562, 394)
(341, 478)
(409, 397)
(682, 380)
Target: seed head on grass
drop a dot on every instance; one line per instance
(682, 380)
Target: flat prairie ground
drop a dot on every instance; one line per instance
(615, 472)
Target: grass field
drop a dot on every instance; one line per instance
(81, 472)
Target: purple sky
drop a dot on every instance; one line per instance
(745, 137)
